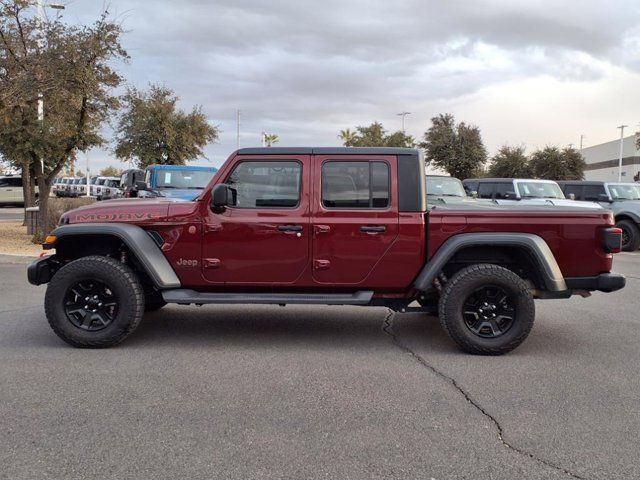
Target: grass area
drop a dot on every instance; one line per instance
(15, 241)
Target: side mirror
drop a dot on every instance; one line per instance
(140, 185)
(220, 197)
(572, 196)
(603, 197)
(474, 194)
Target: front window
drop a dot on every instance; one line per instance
(540, 190)
(185, 179)
(624, 191)
(265, 184)
(445, 187)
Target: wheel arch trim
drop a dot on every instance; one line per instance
(136, 239)
(533, 244)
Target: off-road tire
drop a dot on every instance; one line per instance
(461, 285)
(119, 278)
(632, 232)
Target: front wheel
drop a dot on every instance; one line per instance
(94, 302)
(486, 309)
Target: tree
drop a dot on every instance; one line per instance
(71, 67)
(348, 137)
(510, 162)
(375, 135)
(110, 171)
(152, 129)
(457, 149)
(270, 139)
(551, 163)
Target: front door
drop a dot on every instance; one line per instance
(355, 216)
(263, 236)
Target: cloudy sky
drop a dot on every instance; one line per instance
(531, 73)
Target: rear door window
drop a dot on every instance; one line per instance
(504, 191)
(485, 190)
(576, 190)
(355, 184)
(592, 192)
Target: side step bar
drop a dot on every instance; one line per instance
(186, 297)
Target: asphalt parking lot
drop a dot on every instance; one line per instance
(328, 392)
(11, 214)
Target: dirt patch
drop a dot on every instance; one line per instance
(15, 241)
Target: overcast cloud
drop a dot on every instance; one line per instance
(532, 73)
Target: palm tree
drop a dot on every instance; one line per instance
(348, 137)
(270, 139)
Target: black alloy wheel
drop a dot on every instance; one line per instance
(488, 311)
(91, 305)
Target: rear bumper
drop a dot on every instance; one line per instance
(605, 282)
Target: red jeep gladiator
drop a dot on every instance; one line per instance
(333, 226)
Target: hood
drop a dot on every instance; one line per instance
(180, 193)
(122, 210)
(447, 200)
(561, 202)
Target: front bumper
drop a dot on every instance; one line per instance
(605, 282)
(41, 271)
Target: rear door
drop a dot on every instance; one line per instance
(354, 216)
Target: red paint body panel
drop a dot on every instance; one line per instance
(242, 249)
(573, 238)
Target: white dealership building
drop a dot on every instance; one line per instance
(602, 160)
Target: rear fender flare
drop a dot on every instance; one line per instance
(533, 244)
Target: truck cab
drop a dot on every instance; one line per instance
(336, 226)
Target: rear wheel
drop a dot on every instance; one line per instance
(630, 235)
(94, 302)
(486, 309)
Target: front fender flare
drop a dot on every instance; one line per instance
(533, 244)
(136, 239)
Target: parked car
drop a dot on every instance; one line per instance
(181, 182)
(11, 190)
(129, 182)
(621, 198)
(507, 191)
(109, 189)
(444, 189)
(338, 226)
(95, 185)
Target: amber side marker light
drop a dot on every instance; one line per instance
(50, 239)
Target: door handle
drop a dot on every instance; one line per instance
(290, 228)
(373, 229)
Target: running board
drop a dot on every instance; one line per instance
(186, 297)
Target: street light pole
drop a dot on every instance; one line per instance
(39, 21)
(403, 114)
(621, 127)
(238, 129)
(581, 141)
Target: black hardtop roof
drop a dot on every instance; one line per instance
(504, 180)
(582, 182)
(327, 151)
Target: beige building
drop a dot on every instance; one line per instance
(602, 160)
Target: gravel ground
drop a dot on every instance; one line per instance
(15, 241)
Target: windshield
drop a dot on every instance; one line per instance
(624, 191)
(445, 187)
(183, 178)
(539, 190)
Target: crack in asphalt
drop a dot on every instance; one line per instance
(387, 328)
